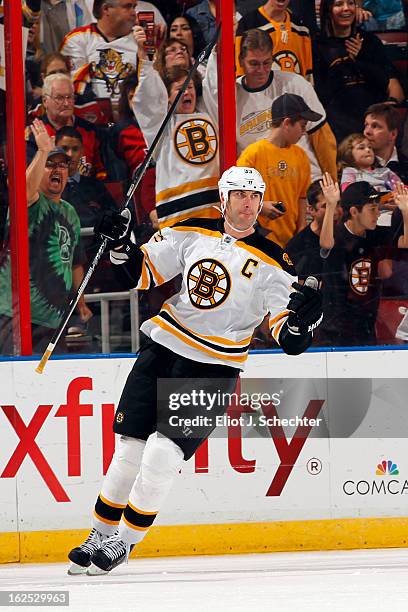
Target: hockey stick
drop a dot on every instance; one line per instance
(137, 177)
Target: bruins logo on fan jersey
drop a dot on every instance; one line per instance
(196, 141)
(286, 61)
(209, 283)
(360, 273)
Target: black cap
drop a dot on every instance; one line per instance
(358, 194)
(58, 151)
(291, 105)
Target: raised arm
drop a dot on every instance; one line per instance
(35, 170)
(401, 200)
(331, 192)
(142, 267)
(150, 102)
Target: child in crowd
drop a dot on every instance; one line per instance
(356, 162)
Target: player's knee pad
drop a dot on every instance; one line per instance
(161, 458)
(129, 451)
(123, 469)
(161, 462)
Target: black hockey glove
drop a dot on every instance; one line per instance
(306, 306)
(116, 227)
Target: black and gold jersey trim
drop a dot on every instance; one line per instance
(227, 350)
(273, 251)
(177, 205)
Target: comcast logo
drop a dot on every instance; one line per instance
(387, 468)
(389, 484)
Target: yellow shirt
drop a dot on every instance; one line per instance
(286, 172)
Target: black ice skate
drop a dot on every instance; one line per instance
(81, 555)
(112, 553)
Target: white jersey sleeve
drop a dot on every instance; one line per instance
(150, 101)
(278, 287)
(210, 87)
(75, 46)
(163, 258)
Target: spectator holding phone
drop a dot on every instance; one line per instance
(102, 54)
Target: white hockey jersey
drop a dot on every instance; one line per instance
(228, 286)
(102, 63)
(187, 165)
(254, 107)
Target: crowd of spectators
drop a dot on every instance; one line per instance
(321, 114)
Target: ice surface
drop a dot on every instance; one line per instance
(347, 581)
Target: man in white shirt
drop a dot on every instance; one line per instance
(102, 54)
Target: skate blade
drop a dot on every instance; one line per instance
(76, 570)
(94, 570)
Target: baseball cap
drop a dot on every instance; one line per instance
(58, 151)
(291, 105)
(359, 193)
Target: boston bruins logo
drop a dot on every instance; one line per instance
(286, 61)
(287, 259)
(209, 284)
(360, 273)
(196, 141)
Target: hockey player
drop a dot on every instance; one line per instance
(232, 277)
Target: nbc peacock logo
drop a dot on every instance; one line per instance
(387, 468)
(388, 484)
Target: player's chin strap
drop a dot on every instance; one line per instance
(240, 231)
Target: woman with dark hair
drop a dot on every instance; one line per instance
(351, 68)
(186, 29)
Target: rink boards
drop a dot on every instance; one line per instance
(250, 489)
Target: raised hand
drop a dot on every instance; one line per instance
(140, 37)
(44, 141)
(331, 190)
(401, 197)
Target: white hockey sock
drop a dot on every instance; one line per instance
(117, 483)
(161, 462)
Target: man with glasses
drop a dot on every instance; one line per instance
(58, 101)
(259, 87)
(56, 257)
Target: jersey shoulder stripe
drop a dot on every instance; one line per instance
(87, 29)
(208, 197)
(212, 225)
(268, 249)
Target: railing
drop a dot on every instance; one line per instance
(105, 299)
